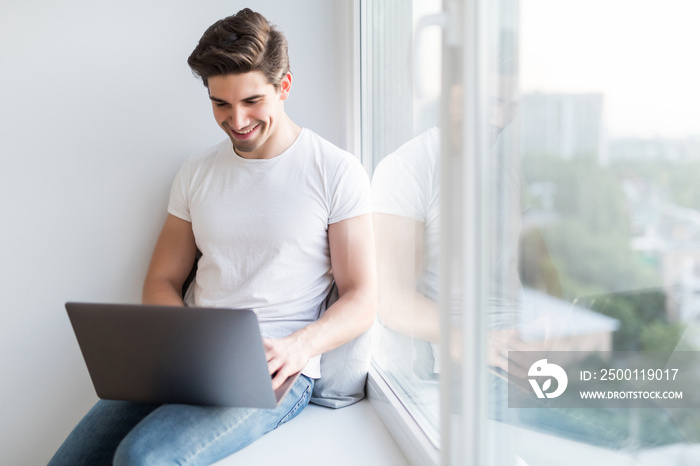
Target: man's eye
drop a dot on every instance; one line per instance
(252, 102)
(220, 104)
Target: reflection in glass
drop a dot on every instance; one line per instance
(406, 188)
(405, 145)
(589, 208)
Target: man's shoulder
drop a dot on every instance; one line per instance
(207, 157)
(421, 149)
(210, 152)
(321, 144)
(325, 151)
(419, 156)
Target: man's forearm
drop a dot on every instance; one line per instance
(349, 317)
(410, 313)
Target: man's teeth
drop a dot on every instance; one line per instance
(244, 132)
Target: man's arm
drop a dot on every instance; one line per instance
(399, 263)
(352, 253)
(405, 310)
(172, 261)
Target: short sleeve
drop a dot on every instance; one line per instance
(403, 183)
(350, 191)
(179, 204)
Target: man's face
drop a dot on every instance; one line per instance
(504, 105)
(250, 111)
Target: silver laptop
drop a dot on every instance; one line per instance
(164, 354)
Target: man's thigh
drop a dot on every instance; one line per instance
(97, 436)
(184, 434)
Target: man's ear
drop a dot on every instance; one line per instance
(285, 86)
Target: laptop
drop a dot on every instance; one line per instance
(164, 354)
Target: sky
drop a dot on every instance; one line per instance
(641, 54)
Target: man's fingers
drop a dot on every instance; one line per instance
(279, 378)
(268, 346)
(283, 359)
(518, 364)
(273, 365)
(271, 351)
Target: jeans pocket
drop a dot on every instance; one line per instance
(298, 406)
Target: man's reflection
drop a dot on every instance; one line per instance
(406, 196)
(406, 189)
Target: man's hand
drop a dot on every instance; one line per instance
(351, 245)
(285, 357)
(500, 342)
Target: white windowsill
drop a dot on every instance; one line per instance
(403, 428)
(322, 436)
(378, 431)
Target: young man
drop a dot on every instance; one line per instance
(272, 209)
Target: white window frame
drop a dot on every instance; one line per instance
(407, 433)
(410, 437)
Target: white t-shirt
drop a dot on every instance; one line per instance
(406, 183)
(262, 228)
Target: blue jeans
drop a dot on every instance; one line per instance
(130, 433)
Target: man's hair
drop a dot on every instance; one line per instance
(238, 44)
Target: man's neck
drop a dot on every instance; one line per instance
(285, 133)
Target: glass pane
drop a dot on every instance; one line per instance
(609, 143)
(560, 190)
(401, 135)
(481, 292)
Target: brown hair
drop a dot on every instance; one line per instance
(241, 43)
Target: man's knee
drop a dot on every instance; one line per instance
(139, 451)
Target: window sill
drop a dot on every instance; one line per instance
(322, 436)
(376, 431)
(403, 428)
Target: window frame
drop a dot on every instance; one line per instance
(405, 430)
(407, 433)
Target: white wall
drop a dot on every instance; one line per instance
(97, 111)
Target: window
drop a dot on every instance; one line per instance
(534, 176)
(401, 138)
(606, 145)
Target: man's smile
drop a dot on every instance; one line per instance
(244, 133)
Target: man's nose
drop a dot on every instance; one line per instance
(239, 118)
(497, 115)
